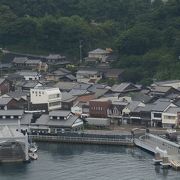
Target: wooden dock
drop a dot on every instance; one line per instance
(175, 164)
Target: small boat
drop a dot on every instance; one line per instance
(33, 156)
(33, 148)
(171, 135)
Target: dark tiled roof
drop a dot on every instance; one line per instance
(11, 112)
(61, 113)
(5, 100)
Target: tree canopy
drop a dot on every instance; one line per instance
(144, 33)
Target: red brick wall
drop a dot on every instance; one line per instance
(13, 104)
(99, 108)
(4, 88)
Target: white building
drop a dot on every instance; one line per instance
(98, 53)
(76, 110)
(45, 97)
(170, 117)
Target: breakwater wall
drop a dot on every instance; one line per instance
(90, 139)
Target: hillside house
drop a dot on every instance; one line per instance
(88, 76)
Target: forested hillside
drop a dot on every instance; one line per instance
(144, 33)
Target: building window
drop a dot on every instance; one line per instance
(157, 115)
(54, 104)
(53, 96)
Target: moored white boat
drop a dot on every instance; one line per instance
(33, 156)
(33, 148)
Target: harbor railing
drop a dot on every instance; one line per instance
(83, 140)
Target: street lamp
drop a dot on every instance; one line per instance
(80, 50)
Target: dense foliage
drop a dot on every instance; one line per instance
(144, 33)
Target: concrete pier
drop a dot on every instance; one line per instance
(150, 142)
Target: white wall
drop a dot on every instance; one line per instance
(76, 110)
(43, 96)
(169, 118)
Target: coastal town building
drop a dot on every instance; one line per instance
(4, 86)
(124, 88)
(29, 75)
(20, 97)
(158, 107)
(81, 109)
(115, 111)
(45, 98)
(11, 116)
(98, 108)
(163, 91)
(56, 122)
(61, 74)
(26, 85)
(55, 59)
(88, 76)
(8, 103)
(173, 83)
(98, 55)
(170, 117)
(31, 64)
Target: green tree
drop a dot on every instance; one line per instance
(138, 40)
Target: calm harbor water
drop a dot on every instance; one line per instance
(87, 162)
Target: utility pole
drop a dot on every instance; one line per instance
(80, 51)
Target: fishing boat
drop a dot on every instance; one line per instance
(33, 147)
(33, 156)
(171, 134)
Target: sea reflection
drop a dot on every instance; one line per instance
(13, 168)
(97, 162)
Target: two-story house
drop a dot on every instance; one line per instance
(99, 54)
(56, 122)
(55, 58)
(99, 108)
(158, 107)
(88, 76)
(115, 111)
(131, 113)
(32, 64)
(170, 117)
